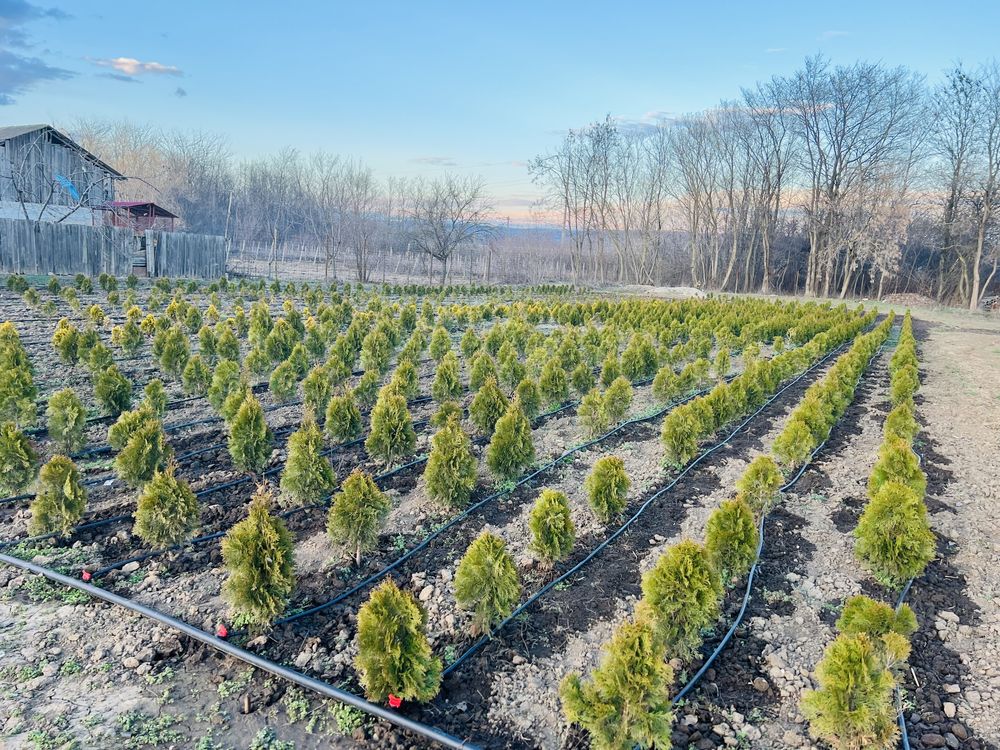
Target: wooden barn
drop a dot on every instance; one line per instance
(47, 176)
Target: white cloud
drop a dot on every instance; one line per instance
(129, 66)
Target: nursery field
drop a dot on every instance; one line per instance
(242, 514)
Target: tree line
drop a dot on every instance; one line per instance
(835, 180)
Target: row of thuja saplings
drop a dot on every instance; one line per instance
(139, 438)
(627, 701)
(859, 674)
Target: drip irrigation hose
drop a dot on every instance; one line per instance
(642, 509)
(258, 662)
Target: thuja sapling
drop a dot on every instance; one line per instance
(488, 405)
(731, 539)
(531, 400)
(225, 379)
(447, 384)
(481, 370)
(145, 451)
(260, 565)
(893, 538)
(60, 498)
(552, 531)
(391, 434)
(18, 460)
(67, 419)
(249, 436)
(682, 594)
(167, 510)
(626, 703)
(343, 419)
(308, 476)
(487, 582)
(617, 399)
(553, 384)
(394, 658)
(155, 397)
(607, 488)
(113, 391)
(450, 474)
(511, 448)
(357, 513)
(759, 484)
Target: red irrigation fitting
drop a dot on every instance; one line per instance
(86, 575)
(395, 701)
(222, 631)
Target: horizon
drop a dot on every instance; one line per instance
(388, 76)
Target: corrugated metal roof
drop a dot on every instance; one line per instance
(14, 131)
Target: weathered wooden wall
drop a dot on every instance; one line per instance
(44, 247)
(40, 248)
(184, 255)
(30, 163)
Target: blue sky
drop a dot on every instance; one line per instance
(416, 88)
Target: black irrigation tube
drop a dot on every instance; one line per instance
(258, 662)
(624, 527)
(753, 570)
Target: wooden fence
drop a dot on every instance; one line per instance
(183, 255)
(40, 248)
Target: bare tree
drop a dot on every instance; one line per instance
(447, 213)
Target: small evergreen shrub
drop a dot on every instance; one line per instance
(155, 397)
(451, 468)
(582, 378)
(317, 390)
(901, 423)
(343, 419)
(511, 449)
(488, 405)
(260, 564)
(225, 380)
(876, 619)
(666, 386)
(405, 379)
(627, 702)
(731, 539)
(249, 437)
(233, 402)
(721, 364)
(552, 531)
(481, 370)
(607, 488)
(66, 341)
(440, 343)
(897, 463)
(197, 377)
(67, 420)
(166, 513)
(357, 513)
(617, 400)
(18, 460)
(391, 434)
(174, 351)
(284, 383)
(639, 358)
(394, 657)
(447, 384)
(759, 485)
(552, 383)
(145, 452)
(60, 498)
(853, 709)
(682, 593)
(679, 436)
(308, 476)
(448, 410)
(531, 400)
(113, 391)
(366, 390)
(610, 369)
(794, 444)
(893, 538)
(487, 582)
(593, 414)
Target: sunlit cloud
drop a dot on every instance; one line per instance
(130, 66)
